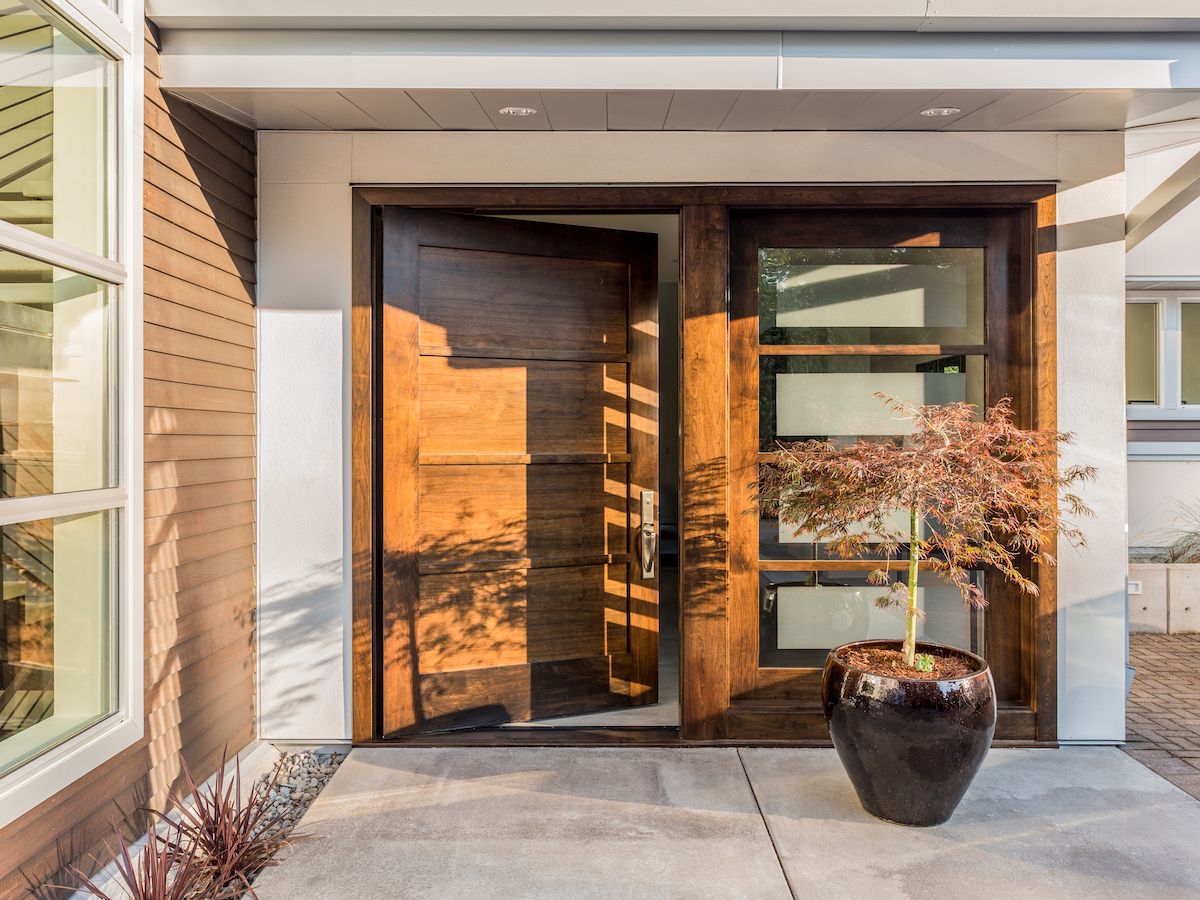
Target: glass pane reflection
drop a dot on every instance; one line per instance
(886, 295)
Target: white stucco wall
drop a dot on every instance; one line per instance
(304, 395)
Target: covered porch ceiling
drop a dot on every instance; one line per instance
(396, 109)
(355, 79)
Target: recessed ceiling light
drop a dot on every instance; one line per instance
(518, 111)
(935, 111)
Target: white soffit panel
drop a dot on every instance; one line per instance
(494, 101)
(576, 110)
(761, 110)
(638, 110)
(884, 105)
(453, 110)
(966, 101)
(1006, 110)
(1086, 111)
(393, 110)
(699, 110)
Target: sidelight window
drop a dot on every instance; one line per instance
(837, 326)
(70, 666)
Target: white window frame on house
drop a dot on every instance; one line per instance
(117, 33)
(1170, 361)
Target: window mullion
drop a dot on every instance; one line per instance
(1170, 345)
(60, 254)
(14, 510)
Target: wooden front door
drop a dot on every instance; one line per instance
(517, 460)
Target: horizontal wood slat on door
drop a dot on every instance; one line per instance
(468, 514)
(522, 407)
(474, 299)
(524, 616)
(199, 480)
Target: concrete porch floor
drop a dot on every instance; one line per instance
(728, 823)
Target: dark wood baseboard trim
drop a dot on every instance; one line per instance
(667, 737)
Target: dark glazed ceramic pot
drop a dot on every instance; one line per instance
(911, 747)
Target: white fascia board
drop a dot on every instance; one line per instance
(815, 74)
(817, 15)
(469, 60)
(547, 60)
(539, 14)
(990, 61)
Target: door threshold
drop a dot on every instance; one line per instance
(539, 736)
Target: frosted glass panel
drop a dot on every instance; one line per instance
(1189, 327)
(834, 401)
(805, 614)
(834, 396)
(54, 384)
(1141, 353)
(888, 295)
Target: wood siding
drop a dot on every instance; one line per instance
(199, 194)
(1155, 431)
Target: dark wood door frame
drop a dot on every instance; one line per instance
(706, 555)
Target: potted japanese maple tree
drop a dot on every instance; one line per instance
(912, 721)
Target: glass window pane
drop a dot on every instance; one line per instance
(54, 385)
(803, 615)
(54, 127)
(1141, 353)
(890, 295)
(832, 397)
(56, 669)
(1189, 328)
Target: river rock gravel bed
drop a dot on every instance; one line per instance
(298, 778)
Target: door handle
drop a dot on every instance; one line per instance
(647, 538)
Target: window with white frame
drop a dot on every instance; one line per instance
(70, 618)
(1162, 356)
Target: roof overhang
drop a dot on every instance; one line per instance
(719, 15)
(742, 81)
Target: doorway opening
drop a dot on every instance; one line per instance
(665, 712)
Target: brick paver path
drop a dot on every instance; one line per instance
(1163, 713)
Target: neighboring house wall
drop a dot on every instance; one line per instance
(305, 325)
(1164, 497)
(199, 528)
(1170, 251)
(1164, 464)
